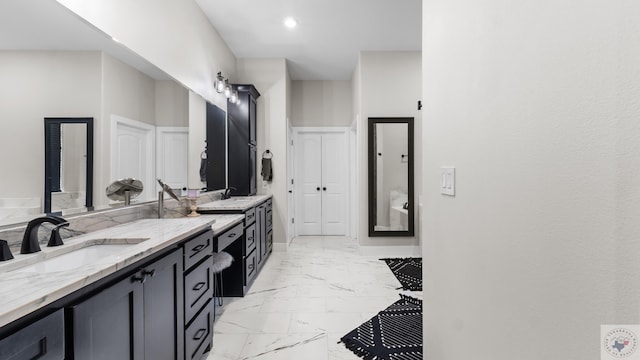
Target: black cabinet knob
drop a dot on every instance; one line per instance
(318, 188)
(324, 189)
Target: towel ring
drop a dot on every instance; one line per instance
(267, 153)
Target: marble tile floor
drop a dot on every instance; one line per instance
(304, 300)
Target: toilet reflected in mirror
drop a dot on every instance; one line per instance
(391, 208)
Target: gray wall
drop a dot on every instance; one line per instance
(35, 85)
(321, 103)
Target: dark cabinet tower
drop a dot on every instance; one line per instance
(242, 141)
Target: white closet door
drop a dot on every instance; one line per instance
(321, 180)
(308, 177)
(334, 184)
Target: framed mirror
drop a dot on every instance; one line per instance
(391, 177)
(68, 165)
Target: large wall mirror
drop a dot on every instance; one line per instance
(57, 65)
(68, 165)
(391, 179)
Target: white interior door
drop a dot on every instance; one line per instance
(308, 179)
(321, 181)
(334, 184)
(132, 153)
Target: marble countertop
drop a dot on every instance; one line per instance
(23, 292)
(235, 203)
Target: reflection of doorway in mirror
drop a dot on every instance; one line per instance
(70, 193)
(133, 153)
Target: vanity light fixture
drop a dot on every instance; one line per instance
(219, 83)
(290, 22)
(227, 88)
(234, 97)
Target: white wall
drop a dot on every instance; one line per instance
(400, 74)
(35, 85)
(321, 103)
(536, 104)
(173, 35)
(271, 78)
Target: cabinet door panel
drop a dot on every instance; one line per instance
(42, 340)
(106, 325)
(163, 308)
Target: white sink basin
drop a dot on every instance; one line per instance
(75, 258)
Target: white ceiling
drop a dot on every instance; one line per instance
(324, 46)
(329, 35)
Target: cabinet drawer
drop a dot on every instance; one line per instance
(250, 239)
(197, 249)
(198, 289)
(250, 267)
(43, 340)
(198, 336)
(228, 237)
(249, 216)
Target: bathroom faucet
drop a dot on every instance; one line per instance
(30, 242)
(164, 189)
(227, 192)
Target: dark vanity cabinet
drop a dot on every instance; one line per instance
(264, 231)
(242, 141)
(159, 308)
(238, 277)
(128, 319)
(249, 254)
(43, 340)
(198, 294)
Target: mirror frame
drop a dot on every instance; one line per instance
(372, 176)
(48, 122)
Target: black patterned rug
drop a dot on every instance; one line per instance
(408, 271)
(394, 334)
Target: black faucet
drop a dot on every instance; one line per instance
(227, 192)
(30, 242)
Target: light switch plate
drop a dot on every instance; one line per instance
(448, 181)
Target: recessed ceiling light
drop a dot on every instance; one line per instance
(290, 22)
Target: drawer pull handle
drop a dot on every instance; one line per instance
(199, 286)
(250, 266)
(198, 248)
(141, 279)
(250, 238)
(149, 273)
(199, 334)
(232, 235)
